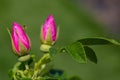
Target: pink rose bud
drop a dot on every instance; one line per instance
(48, 34)
(49, 31)
(20, 41)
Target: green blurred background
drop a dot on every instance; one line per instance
(74, 22)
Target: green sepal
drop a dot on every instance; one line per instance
(13, 48)
(48, 39)
(41, 36)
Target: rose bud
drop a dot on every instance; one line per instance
(48, 33)
(20, 41)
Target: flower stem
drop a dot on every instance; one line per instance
(40, 65)
(14, 77)
(26, 66)
(34, 75)
(21, 72)
(44, 60)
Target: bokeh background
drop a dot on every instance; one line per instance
(77, 19)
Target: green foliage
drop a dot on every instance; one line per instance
(76, 50)
(98, 41)
(80, 50)
(19, 71)
(90, 54)
(74, 78)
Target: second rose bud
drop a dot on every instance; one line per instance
(48, 35)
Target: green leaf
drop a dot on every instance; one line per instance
(76, 50)
(90, 54)
(75, 78)
(10, 73)
(98, 41)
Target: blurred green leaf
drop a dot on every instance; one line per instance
(53, 52)
(75, 78)
(77, 52)
(90, 54)
(10, 73)
(56, 74)
(98, 41)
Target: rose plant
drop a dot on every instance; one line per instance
(28, 69)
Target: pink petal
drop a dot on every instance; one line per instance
(49, 23)
(22, 35)
(15, 41)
